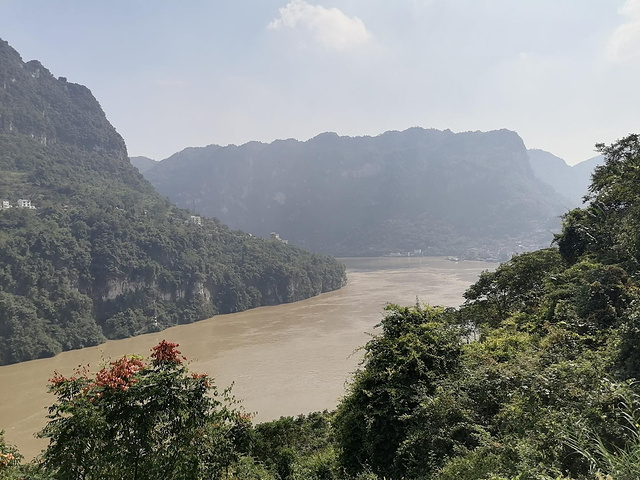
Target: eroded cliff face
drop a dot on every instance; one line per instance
(118, 287)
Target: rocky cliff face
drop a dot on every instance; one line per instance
(50, 110)
(433, 191)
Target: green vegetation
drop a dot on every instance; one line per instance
(103, 255)
(71, 277)
(141, 421)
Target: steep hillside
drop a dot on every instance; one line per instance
(569, 181)
(468, 194)
(101, 254)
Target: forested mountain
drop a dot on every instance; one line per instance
(469, 194)
(102, 255)
(570, 181)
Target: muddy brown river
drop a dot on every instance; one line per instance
(283, 360)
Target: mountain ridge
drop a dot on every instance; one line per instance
(371, 187)
(571, 181)
(142, 163)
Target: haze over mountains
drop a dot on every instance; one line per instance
(101, 254)
(570, 181)
(470, 194)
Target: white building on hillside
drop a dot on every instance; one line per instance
(276, 236)
(24, 203)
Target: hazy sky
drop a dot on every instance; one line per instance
(564, 74)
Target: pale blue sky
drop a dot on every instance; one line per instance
(564, 74)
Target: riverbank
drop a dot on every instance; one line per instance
(283, 360)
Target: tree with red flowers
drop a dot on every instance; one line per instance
(140, 419)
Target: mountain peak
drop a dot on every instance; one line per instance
(50, 110)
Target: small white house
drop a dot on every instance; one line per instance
(24, 203)
(275, 236)
(5, 204)
(195, 219)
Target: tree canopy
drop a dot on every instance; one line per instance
(141, 419)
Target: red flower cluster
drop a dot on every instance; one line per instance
(81, 372)
(165, 352)
(6, 459)
(57, 378)
(244, 417)
(200, 376)
(120, 375)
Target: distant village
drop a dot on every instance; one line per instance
(500, 250)
(22, 203)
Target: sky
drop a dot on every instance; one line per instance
(564, 74)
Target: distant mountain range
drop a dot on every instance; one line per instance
(100, 254)
(570, 181)
(431, 192)
(142, 163)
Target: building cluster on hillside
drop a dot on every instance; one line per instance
(22, 203)
(276, 237)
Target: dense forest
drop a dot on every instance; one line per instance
(470, 194)
(534, 377)
(102, 255)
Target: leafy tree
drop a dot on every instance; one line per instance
(299, 447)
(9, 459)
(606, 460)
(139, 420)
(402, 366)
(608, 228)
(515, 286)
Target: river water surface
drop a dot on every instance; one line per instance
(283, 360)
